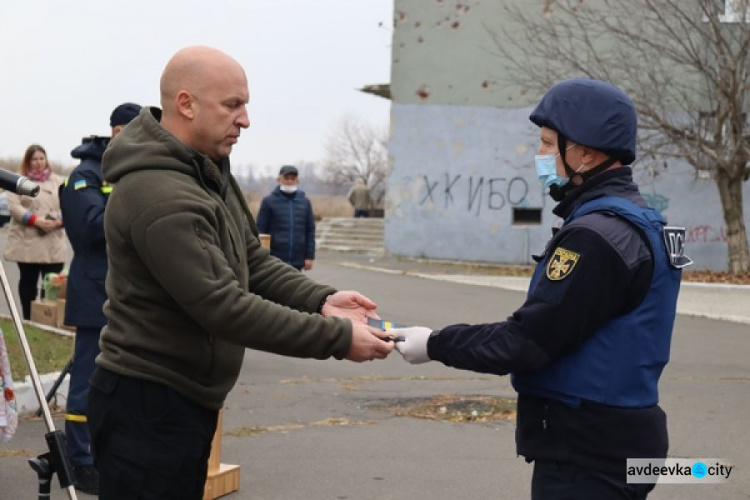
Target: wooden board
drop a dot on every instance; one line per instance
(222, 478)
(222, 481)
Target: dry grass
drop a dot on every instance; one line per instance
(331, 206)
(329, 422)
(709, 276)
(323, 206)
(50, 351)
(457, 409)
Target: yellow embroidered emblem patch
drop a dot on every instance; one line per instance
(561, 263)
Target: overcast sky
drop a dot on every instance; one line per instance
(64, 65)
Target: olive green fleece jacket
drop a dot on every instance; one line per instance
(189, 284)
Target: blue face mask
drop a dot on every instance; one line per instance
(546, 170)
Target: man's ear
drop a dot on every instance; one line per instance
(592, 156)
(588, 155)
(116, 130)
(185, 104)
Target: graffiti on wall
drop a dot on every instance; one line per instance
(476, 192)
(705, 234)
(656, 201)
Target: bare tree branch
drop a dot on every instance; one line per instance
(685, 64)
(357, 150)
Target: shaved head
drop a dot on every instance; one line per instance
(192, 69)
(201, 89)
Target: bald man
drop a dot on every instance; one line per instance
(190, 286)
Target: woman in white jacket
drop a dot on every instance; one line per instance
(36, 240)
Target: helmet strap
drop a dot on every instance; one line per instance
(556, 192)
(561, 146)
(598, 169)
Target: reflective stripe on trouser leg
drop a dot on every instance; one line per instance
(76, 423)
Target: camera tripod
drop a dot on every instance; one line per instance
(52, 390)
(56, 459)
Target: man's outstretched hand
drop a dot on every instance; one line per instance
(368, 343)
(351, 305)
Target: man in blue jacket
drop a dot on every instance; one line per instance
(589, 344)
(83, 198)
(286, 214)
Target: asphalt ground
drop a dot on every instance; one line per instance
(306, 429)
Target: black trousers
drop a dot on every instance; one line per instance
(28, 283)
(565, 481)
(149, 442)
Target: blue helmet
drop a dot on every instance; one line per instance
(592, 113)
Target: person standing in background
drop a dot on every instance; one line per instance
(287, 215)
(359, 197)
(36, 240)
(83, 198)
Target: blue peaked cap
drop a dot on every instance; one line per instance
(592, 113)
(123, 114)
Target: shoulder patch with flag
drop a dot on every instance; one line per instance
(561, 264)
(81, 184)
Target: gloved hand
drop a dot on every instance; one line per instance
(413, 347)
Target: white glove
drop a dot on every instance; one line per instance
(413, 347)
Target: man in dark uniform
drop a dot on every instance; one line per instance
(588, 346)
(83, 198)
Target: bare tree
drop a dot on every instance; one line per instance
(685, 64)
(357, 150)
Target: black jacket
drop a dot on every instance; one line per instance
(288, 218)
(83, 198)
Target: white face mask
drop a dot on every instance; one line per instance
(288, 189)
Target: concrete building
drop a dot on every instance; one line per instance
(462, 183)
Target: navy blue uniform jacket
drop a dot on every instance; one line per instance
(82, 200)
(610, 279)
(290, 222)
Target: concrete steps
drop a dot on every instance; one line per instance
(347, 234)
